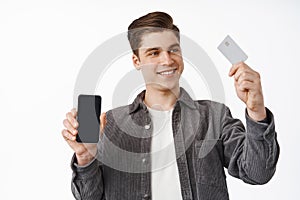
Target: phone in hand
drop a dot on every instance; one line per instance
(88, 117)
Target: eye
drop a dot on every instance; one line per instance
(174, 50)
(153, 53)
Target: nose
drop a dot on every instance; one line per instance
(166, 58)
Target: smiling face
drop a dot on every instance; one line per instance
(160, 60)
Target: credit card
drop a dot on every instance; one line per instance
(232, 51)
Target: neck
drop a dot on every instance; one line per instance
(161, 99)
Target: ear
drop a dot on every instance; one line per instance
(136, 62)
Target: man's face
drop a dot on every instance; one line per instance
(160, 60)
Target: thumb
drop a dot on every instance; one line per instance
(234, 68)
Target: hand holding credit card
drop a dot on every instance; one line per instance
(232, 51)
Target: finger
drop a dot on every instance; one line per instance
(244, 76)
(102, 121)
(245, 86)
(67, 135)
(234, 68)
(246, 71)
(103, 117)
(72, 120)
(70, 128)
(74, 112)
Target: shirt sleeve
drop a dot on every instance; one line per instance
(87, 183)
(251, 154)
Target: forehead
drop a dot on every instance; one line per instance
(158, 39)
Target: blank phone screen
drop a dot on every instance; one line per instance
(89, 109)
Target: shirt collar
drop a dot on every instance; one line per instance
(138, 103)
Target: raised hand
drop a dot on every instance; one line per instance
(248, 88)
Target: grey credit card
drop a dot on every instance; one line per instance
(232, 51)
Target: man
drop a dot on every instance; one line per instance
(181, 145)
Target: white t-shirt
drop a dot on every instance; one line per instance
(165, 181)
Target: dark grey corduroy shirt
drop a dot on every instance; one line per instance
(206, 139)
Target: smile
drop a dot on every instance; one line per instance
(167, 73)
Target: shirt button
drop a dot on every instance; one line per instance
(147, 126)
(144, 160)
(146, 196)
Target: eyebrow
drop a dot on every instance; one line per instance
(174, 45)
(158, 48)
(152, 49)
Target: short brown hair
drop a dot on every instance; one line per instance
(152, 22)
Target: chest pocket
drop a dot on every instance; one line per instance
(209, 162)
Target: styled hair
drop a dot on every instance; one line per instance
(152, 22)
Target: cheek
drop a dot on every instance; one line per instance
(148, 67)
(181, 65)
(148, 70)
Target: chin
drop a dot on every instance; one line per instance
(168, 86)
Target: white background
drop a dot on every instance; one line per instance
(44, 43)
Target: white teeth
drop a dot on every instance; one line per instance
(167, 72)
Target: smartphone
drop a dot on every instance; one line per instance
(88, 117)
